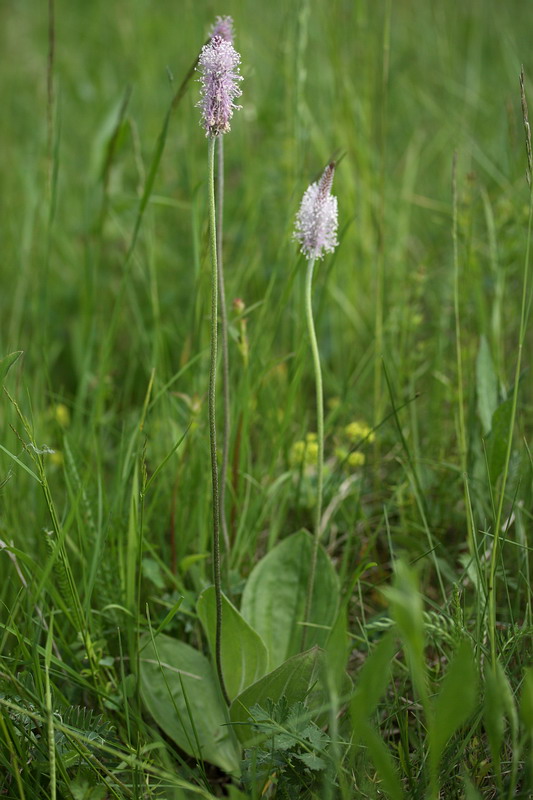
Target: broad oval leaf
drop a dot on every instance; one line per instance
(244, 655)
(275, 594)
(291, 680)
(180, 690)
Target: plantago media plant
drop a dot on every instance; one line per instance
(316, 230)
(219, 70)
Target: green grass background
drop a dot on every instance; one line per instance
(397, 88)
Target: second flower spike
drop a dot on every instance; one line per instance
(219, 68)
(316, 222)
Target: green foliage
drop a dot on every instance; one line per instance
(454, 703)
(105, 517)
(290, 753)
(486, 385)
(274, 597)
(244, 656)
(7, 362)
(407, 611)
(499, 705)
(181, 692)
(372, 682)
(498, 437)
(291, 680)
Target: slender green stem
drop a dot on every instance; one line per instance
(212, 416)
(224, 344)
(320, 440)
(382, 123)
(459, 359)
(514, 405)
(524, 313)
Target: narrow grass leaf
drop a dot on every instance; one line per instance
(274, 597)
(244, 655)
(7, 362)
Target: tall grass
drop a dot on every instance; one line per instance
(421, 315)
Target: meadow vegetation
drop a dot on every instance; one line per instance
(414, 676)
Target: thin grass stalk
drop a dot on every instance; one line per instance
(320, 440)
(212, 414)
(524, 313)
(459, 360)
(226, 431)
(381, 212)
(50, 713)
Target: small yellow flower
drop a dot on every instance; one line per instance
(358, 430)
(356, 459)
(303, 453)
(297, 454)
(311, 453)
(311, 437)
(61, 414)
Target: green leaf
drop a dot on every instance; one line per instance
(486, 385)
(244, 655)
(496, 441)
(336, 655)
(181, 693)
(471, 793)
(526, 701)
(372, 681)
(499, 701)
(408, 613)
(275, 594)
(291, 680)
(83, 790)
(7, 362)
(454, 703)
(383, 761)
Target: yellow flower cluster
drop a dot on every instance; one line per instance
(304, 452)
(350, 460)
(358, 430)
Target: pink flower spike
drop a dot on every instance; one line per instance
(223, 27)
(218, 65)
(317, 219)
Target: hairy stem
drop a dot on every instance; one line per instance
(320, 441)
(224, 344)
(212, 416)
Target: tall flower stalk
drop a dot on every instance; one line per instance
(316, 230)
(223, 27)
(219, 75)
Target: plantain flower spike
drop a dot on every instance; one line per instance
(223, 27)
(317, 219)
(218, 65)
